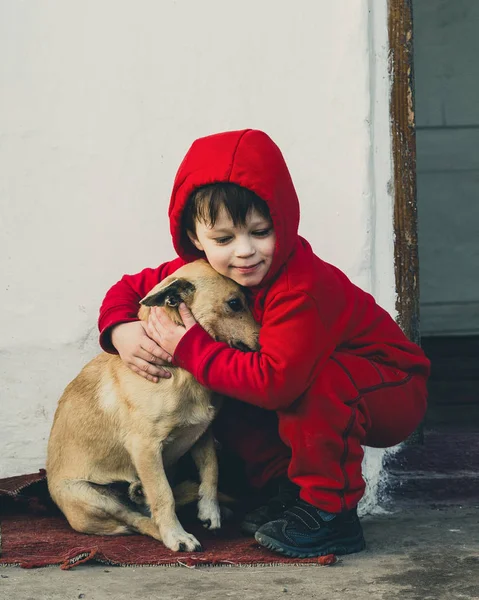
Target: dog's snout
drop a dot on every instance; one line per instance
(241, 346)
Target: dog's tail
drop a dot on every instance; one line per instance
(187, 492)
(184, 493)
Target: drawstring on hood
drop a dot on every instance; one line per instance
(248, 158)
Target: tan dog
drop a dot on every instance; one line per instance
(113, 426)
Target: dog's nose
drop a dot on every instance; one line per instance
(239, 345)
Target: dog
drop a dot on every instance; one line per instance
(111, 425)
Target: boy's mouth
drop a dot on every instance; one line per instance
(248, 268)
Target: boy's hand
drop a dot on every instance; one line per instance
(164, 331)
(139, 352)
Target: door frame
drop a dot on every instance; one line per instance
(403, 135)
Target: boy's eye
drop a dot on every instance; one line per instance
(262, 232)
(223, 240)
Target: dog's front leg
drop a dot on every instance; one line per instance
(147, 458)
(204, 455)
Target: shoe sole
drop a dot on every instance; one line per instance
(340, 548)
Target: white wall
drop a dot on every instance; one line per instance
(99, 102)
(446, 43)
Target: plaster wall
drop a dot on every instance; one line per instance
(99, 102)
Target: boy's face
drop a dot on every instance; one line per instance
(242, 253)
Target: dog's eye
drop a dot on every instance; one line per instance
(235, 304)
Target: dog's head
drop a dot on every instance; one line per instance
(217, 303)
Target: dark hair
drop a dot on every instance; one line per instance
(205, 203)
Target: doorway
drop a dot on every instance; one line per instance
(446, 47)
(445, 468)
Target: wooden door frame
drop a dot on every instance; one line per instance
(403, 132)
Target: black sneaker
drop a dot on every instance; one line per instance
(304, 531)
(287, 494)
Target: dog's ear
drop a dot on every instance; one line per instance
(172, 295)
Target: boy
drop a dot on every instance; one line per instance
(334, 371)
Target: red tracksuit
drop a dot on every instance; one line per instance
(334, 371)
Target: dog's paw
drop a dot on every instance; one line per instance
(180, 541)
(136, 494)
(209, 513)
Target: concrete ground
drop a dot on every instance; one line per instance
(414, 553)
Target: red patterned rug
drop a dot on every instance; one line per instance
(34, 534)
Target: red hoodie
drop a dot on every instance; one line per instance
(307, 308)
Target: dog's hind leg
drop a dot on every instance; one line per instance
(92, 508)
(204, 455)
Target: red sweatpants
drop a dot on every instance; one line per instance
(318, 440)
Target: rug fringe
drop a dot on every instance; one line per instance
(77, 558)
(196, 563)
(223, 565)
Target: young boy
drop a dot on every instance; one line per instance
(334, 371)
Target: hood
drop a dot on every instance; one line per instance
(248, 158)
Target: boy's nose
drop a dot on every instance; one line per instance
(244, 249)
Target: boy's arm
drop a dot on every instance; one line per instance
(292, 339)
(122, 300)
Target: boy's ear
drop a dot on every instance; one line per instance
(195, 241)
(172, 295)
